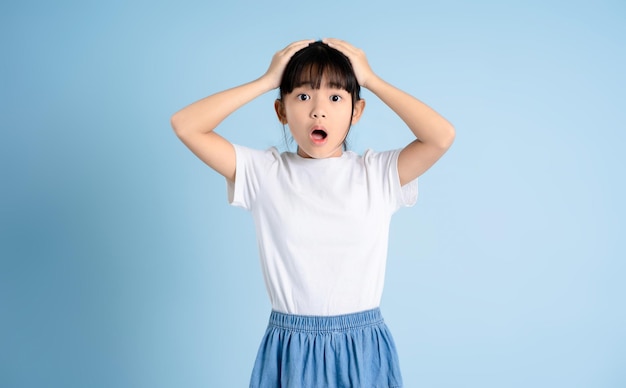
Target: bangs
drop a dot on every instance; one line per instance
(316, 63)
(312, 75)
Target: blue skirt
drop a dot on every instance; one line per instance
(353, 350)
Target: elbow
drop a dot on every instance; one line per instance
(451, 136)
(448, 135)
(176, 121)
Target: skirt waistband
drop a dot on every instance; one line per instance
(326, 323)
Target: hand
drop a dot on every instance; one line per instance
(362, 69)
(279, 61)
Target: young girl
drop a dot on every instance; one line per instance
(322, 213)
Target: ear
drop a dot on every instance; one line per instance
(279, 107)
(359, 106)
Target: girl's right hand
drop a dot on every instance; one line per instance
(195, 123)
(279, 61)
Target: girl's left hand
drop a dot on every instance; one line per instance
(357, 57)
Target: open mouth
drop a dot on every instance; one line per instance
(318, 134)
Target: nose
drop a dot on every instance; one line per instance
(318, 111)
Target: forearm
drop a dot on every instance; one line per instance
(427, 125)
(204, 115)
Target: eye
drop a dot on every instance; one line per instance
(303, 97)
(335, 98)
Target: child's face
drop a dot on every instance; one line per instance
(319, 119)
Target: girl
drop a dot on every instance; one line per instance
(322, 213)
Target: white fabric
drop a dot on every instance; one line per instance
(322, 225)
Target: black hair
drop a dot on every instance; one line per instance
(318, 60)
(310, 64)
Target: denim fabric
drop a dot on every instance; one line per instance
(345, 351)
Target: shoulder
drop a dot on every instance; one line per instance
(383, 158)
(374, 163)
(253, 156)
(270, 152)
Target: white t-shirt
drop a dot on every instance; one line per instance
(322, 225)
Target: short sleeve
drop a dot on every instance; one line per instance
(384, 165)
(251, 168)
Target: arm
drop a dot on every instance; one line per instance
(434, 134)
(195, 124)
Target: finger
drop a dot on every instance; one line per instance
(343, 46)
(296, 46)
(337, 42)
(332, 41)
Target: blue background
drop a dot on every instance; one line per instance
(122, 264)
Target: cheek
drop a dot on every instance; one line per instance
(347, 114)
(293, 113)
